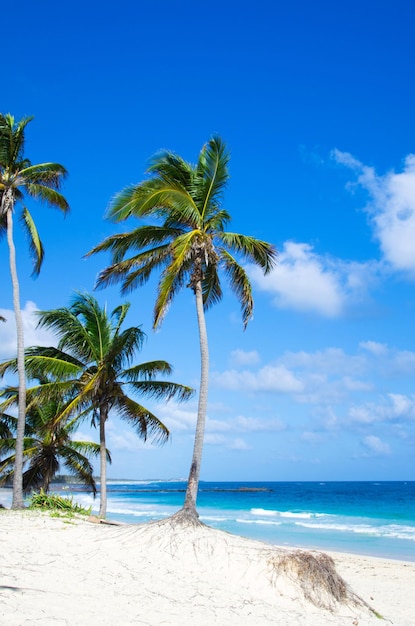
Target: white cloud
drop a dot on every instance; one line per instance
(254, 424)
(329, 419)
(311, 437)
(214, 439)
(329, 361)
(120, 439)
(374, 347)
(33, 336)
(240, 357)
(269, 378)
(83, 436)
(374, 444)
(391, 208)
(176, 417)
(239, 444)
(394, 407)
(305, 281)
(244, 424)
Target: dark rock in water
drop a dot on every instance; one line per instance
(238, 489)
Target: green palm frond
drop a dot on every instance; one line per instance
(35, 244)
(240, 285)
(47, 174)
(73, 334)
(141, 239)
(148, 371)
(170, 284)
(183, 203)
(50, 196)
(144, 422)
(212, 170)
(124, 347)
(162, 390)
(211, 288)
(51, 362)
(7, 425)
(259, 252)
(118, 316)
(12, 139)
(216, 222)
(135, 271)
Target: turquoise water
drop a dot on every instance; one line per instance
(373, 518)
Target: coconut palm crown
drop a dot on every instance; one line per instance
(48, 444)
(93, 367)
(186, 241)
(19, 178)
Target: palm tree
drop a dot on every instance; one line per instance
(92, 361)
(187, 242)
(47, 444)
(18, 177)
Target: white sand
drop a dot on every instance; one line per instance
(61, 572)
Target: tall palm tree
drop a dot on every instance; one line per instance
(187, 243)
(17, 178)
(93, 362)
(48, 443)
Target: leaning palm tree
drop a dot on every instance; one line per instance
(17, 178)
(93, 364)
(187, 242)
(48, 444)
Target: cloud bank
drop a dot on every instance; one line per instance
(307, 282)
(391, 208)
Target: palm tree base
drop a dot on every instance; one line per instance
(187, 516)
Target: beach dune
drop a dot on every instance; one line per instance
(76, 573)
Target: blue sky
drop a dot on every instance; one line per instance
(315, 102)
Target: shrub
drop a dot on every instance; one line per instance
(53, 502)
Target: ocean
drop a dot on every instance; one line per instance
(371, 518)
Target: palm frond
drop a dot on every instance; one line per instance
(158, 198)
(135, 271)
(35, 244)
(240, 285)
(144, 422)
(211, 287)
(139, 239)
(46, 194)
(73, 334)
(45, 174)
(162, 390)
(148, 371)
(118, 316)
(171, 282)
(212, 175)
(259, 252)
(124, 346)
(51, 363)
(216, 221)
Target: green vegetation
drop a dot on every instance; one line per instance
(56, 503)
(18, 177)
(186, 241)
(91, 368)
(47, 443)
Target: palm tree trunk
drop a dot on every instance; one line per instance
(103, 462)
(189, 507)
(17, 501)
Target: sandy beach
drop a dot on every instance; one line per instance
(74, 572)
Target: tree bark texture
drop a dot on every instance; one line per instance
(18, 500)
(103, 463)
(194, 474)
